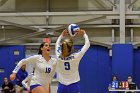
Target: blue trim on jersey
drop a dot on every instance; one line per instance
(34, 86)
(72, 88)
(58, 49)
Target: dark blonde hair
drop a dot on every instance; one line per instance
(69, 44)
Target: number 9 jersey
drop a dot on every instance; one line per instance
(68, 66)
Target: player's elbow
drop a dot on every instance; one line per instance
(88, 44)
(22, 82)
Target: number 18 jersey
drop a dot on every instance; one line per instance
(44, 70)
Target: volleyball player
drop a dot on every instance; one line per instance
(44, 69)
(68, 62)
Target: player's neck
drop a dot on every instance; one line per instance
(46, 56)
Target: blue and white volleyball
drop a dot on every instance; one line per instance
(72, 28)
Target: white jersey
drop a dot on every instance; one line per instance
(44, 71)
(26, 81)
(68, 66)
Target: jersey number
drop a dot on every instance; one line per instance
(48, 70)
(67, 65)
(115, 85)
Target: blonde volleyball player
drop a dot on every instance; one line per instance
(44, 69)
(68, 62)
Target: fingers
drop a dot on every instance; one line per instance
(83, 31)
(65, 32)
(80, 32)
(76, 33)
(28, 89)
(12, 76)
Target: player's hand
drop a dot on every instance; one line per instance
(28, 88)
(65, 33)
(13, 76)
(79, 33)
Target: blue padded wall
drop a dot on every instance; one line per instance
(122, 60)
(136, 74)
(15, 58)
(95, 70)
(3, 60)
(8, 59)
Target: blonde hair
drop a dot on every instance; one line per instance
(67, 45)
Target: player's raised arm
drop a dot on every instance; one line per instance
(57, 45)
(87, 43)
